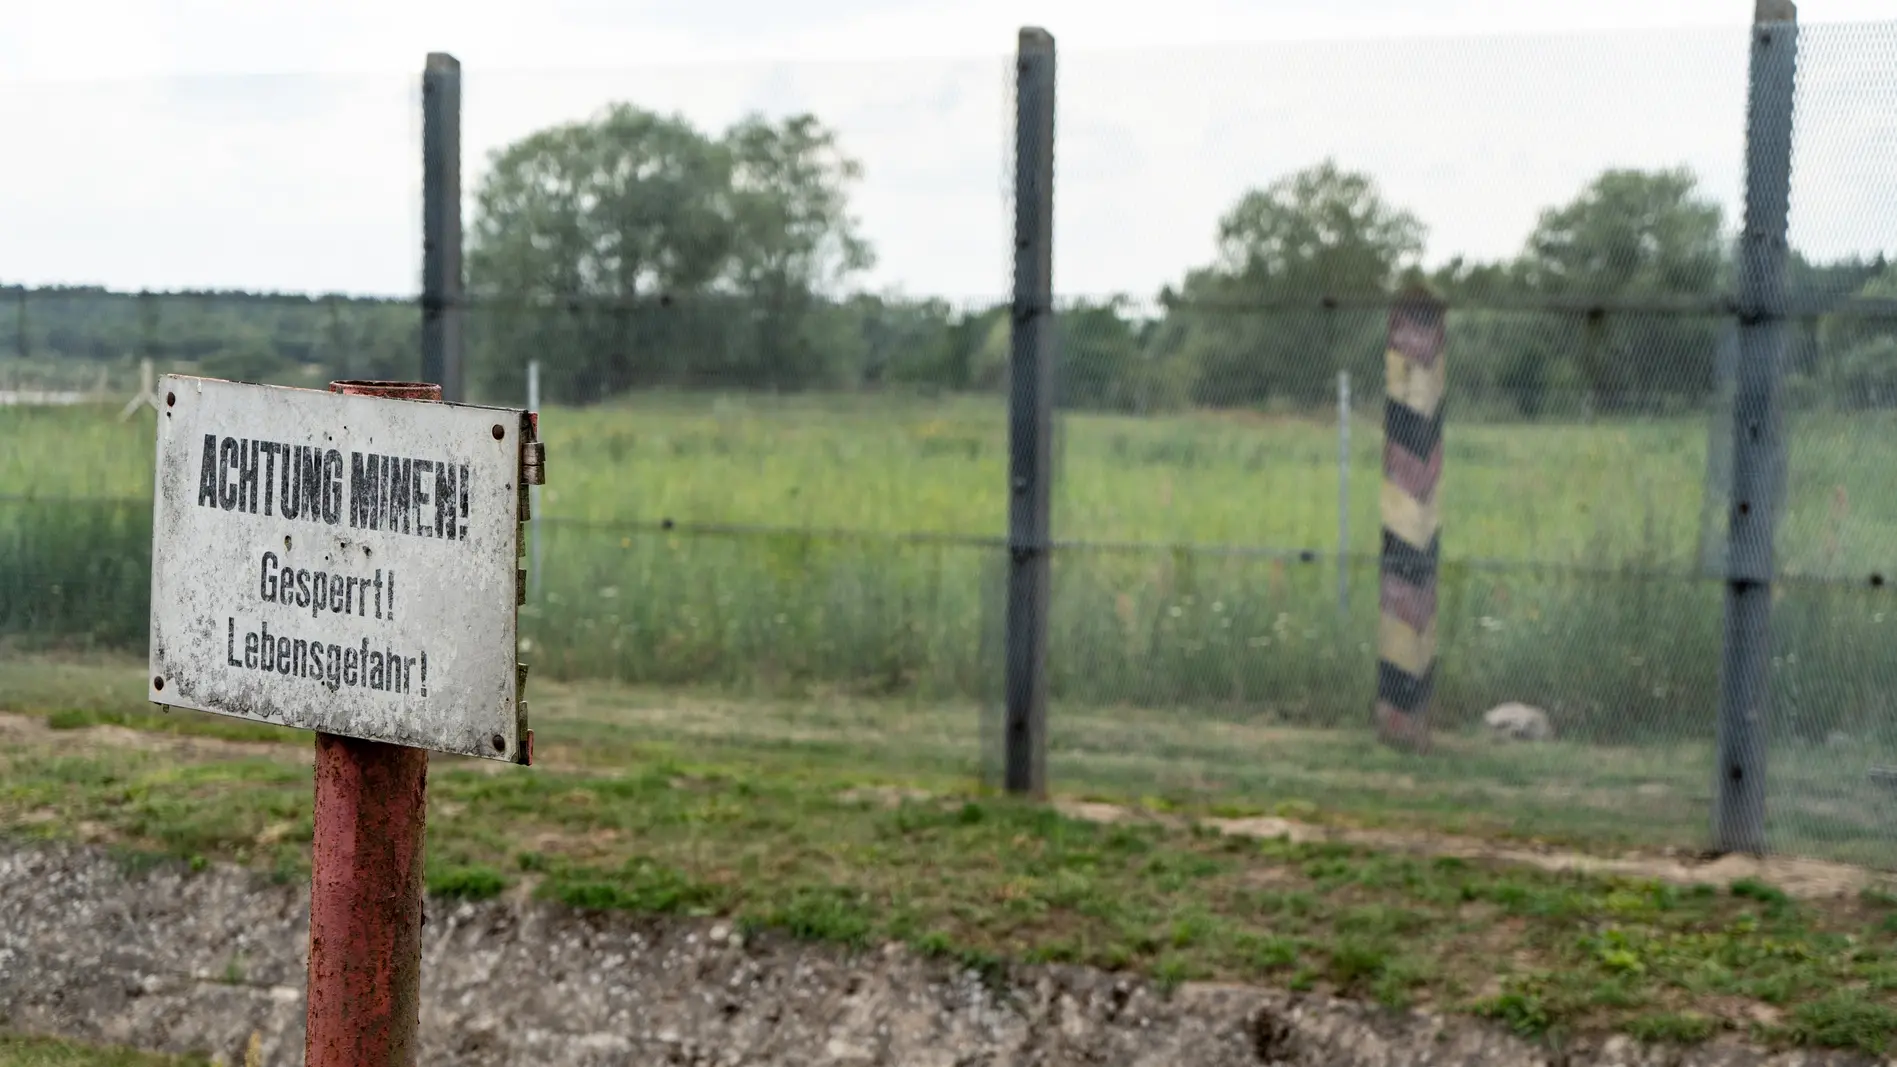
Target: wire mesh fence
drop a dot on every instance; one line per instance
(772, 479)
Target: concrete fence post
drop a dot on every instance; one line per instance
(1758, 446)
(1030, 418)
(441, 226)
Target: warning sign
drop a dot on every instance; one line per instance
(348, 564)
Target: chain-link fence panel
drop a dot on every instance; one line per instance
(1566, 483)
(776, 474)
(780, 466)
(1830, 770)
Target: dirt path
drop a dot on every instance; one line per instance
(1803, 878)
(31, 730)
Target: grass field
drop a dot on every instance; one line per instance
(1597, 495)
(1568, 548)
(852, 822)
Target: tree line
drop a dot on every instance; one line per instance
(634, 251)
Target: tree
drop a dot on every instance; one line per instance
(248, 361)
(628, 204)
(1633, 234)
(1106, 363)
(580, 230)
(646, 252)
(364, 340)
(907, 342)
(1858, 353)
(793, 242)
(1506, 361)
(1321, 232)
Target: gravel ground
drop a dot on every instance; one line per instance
(168, 959)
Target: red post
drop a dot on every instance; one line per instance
(366, 881)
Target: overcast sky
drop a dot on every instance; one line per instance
(236, 144)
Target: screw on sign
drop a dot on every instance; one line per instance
(348, 562)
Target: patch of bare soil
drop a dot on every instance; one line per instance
(882, 796)
(31, 730)
(1803, 878)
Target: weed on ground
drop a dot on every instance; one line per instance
(21, 1051)
(842, 852)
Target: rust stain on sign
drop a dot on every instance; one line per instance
(340, 563)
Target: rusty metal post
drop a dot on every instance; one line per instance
(364, 1005)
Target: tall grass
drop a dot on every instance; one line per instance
(766, 613)
(1569, 578)
(75, 571)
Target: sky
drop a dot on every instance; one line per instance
(231, 144)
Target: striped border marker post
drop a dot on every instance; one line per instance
(1412, 468)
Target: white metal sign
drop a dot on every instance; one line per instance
(339, 563)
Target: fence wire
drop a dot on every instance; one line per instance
(776, 487)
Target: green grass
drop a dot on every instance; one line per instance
(1585, 795)
(1152, 651)
(1552, 492)
(1581, 795)
(705, 705)
(798, 832)
(20, 1051)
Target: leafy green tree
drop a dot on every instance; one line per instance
(1632, 234)
(584, 235)
(378, 340)
(1858, 353)
(1865, 375)
(1104, 362)
(1840, 332)
(645, 252)
(992, 352)
(248, 362)
(907, 342)
(1322, 231)
(793, 243)
(628, 204)
(1506, 362)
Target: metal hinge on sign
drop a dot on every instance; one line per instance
(520, 710)
(533, 453)
(533, 464)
